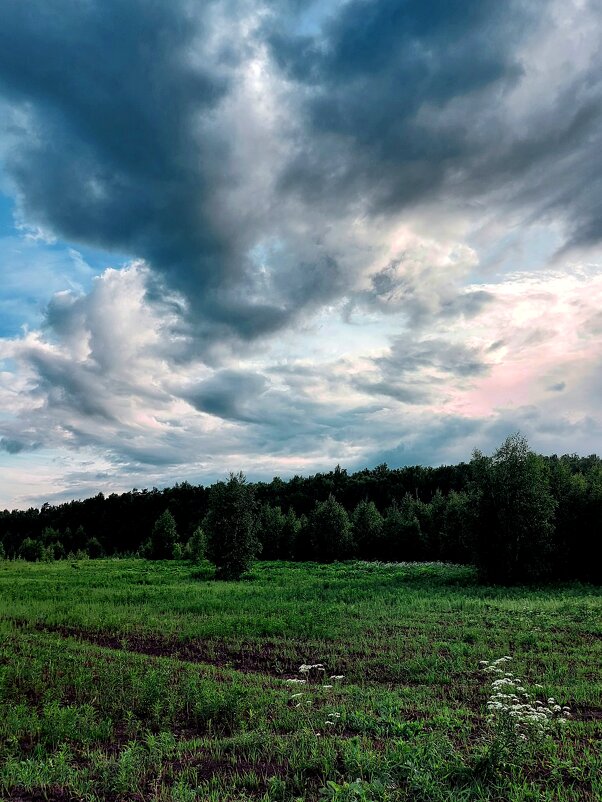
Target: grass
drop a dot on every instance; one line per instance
(133, 680)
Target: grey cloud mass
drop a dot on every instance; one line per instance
(133, 130)
(414, 371)
(229, 394)
(348, 230)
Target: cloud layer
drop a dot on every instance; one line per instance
(347, 230)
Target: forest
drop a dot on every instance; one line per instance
(517, 516)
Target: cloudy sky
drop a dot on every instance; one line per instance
(280, 236)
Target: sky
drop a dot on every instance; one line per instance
(277, 237)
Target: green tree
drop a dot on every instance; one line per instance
(401, 531)
(196, 548)
(31, 550)
(515, 513)
(163, 537)
(459, 527)
(94, 548)
(50, 535)
(367, 523)
(58, 550)
(329, 531)
(270, 531)
(230, 524)
(431, 517)
(291, 531)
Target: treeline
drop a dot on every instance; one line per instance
(516, 515)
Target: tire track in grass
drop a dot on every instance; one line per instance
(266, 658)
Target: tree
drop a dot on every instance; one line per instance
(367, 525)
(459, 527)
(230, 524)
(94, 548)
(196, 548)
(270, 530)
(163, 537)
(58, 550)
(329, 531)
(31, 550)
(290, 535)
(516, 510)
(401, 531)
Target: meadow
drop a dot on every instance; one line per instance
(138, 680)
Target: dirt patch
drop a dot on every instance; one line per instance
(265, 658)
(247, 659)
(49, 795)
(63, 795)
(207, 767)
(584, 712)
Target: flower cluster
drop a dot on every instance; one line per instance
(313, 675)
(511, 705)
(312, 671)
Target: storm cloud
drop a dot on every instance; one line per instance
(323, 231)
(228, 148)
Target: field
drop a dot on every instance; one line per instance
(134, 680)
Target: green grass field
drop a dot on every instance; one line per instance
(132, 680)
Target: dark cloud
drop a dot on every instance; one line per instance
(115, 151)
(125, 140)
(445, 440)
(397, 389)
(371, 71)
(229, 394)
(405, 102)
(131, 135)
(113, 159)
(11, 445)
(408, 358)
(416, 372)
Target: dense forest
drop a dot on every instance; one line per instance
(516, 515)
